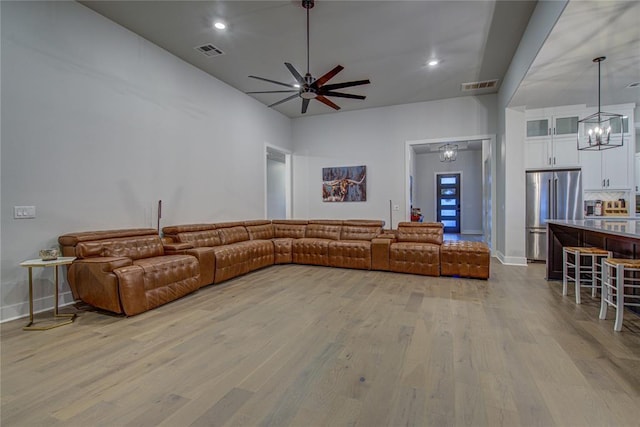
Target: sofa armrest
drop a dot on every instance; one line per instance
(93, 281)
(380, 249)
(176, 248)
(207, 260)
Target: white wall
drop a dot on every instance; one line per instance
(510, 242)
(469, 164)
(376, 138)
(276, 194)
(98, 124)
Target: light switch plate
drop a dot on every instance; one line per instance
(24, 212)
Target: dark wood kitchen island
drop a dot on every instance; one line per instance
(621, 236)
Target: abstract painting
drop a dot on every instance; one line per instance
(344, 184)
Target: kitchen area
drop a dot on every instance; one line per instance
(568, 184)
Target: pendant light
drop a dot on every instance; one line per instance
(600, 131)
(448, 152)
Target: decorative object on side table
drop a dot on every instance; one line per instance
(31, 264)
(49, 254)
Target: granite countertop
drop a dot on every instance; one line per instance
(626, 227)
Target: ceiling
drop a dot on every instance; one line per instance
(388, 42)
(563, 72)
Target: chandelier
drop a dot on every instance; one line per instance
(600, 131)
(448, 153)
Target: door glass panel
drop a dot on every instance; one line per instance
(448, 180)
(449, 222)
(566, 125)
(448, 212)
(537, 127)
(448, 202)
(448, 191)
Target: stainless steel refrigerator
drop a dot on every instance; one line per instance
(550, 195)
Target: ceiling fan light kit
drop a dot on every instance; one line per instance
(600, 131)
(308, 88)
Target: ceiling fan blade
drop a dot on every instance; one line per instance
(284, 100)
(275, 91)
(327, 102)
(322, 80)
(295, 73)
(346, 84)
(273, 81)
(305, 104)
(341, 95)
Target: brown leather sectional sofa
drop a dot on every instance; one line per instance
(131, 271)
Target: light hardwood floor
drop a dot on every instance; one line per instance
(312, 346)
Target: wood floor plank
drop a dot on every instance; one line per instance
(304, 345)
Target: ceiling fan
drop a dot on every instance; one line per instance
(309, 88)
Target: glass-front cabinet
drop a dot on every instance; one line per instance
(551, 135)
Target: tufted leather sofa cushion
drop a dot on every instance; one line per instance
(199, 238)
(172, 230)
(282, 250)
(311, 251)
(235, 234)
(69, 241)
(415, 258)
(323, 231)
(350, 254)
(427, 232)
(231, 261)
(289, 229)
(135, 247)
(360, 232)
(165, 279)
(465, 259)
(260, 253)
(260, 232)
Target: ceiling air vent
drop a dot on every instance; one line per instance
(209, 50)
(487, 84)
(634, 84)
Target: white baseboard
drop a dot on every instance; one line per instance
(21, 309)
(511, 260)
(472, 232)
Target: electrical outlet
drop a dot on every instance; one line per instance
(396, 207)
(24, 212)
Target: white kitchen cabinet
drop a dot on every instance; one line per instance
(606, 169)
(551, 139)
(611, 169)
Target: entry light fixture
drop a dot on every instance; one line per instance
(448, 152)
(600, 131)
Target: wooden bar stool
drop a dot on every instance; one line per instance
(572, 262)
(619, 275)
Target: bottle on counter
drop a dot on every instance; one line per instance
(598, 209)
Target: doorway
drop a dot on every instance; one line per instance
(277, 183)
(448, 201)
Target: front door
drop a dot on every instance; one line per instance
(448, 201)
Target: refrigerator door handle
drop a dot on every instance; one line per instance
(555, 198)
(549, 199)
(537, 231)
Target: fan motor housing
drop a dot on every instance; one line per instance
(308, 4)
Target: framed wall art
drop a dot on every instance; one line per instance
(344, 184)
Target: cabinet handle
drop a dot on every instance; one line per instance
(607, 182)
(604, 182)
(549, 131)
(549, 161)
(554, 160)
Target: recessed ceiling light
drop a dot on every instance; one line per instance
(220, 25)
(433, 62)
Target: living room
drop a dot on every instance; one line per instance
(98, 124)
